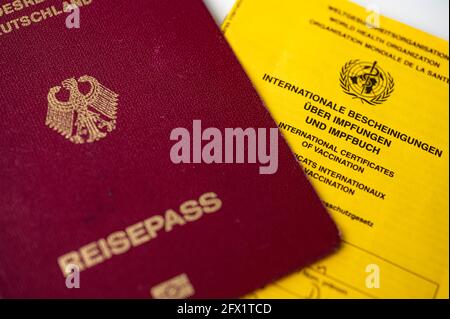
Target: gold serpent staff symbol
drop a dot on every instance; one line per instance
(84, 118)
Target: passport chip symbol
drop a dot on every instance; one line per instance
(366, 81)
(88, 112)
(178, 287)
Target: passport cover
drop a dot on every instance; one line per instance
(112, 202)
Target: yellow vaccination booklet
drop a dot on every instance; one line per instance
(363, 101)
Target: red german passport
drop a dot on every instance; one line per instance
(135, 161)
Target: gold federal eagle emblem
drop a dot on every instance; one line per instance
(86, 114)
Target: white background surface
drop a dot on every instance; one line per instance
(428, 15)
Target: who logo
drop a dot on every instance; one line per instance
(73, 19)
(373, 16)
